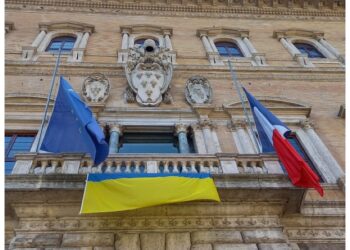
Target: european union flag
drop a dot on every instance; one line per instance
(72, 127)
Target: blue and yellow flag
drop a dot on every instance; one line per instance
(126, 191)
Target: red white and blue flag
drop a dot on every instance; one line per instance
(272, 133)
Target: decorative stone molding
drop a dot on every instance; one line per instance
(149, 74)
(314, 235)
(96, 88)
(268, 9)
(278, 105)
(159, 222)
(238, 123)
(9, 26)
(314, 38)
(74, 26)
(115, 127)
(48, 31)
(306, 124)
(238, 36)
(206, 123)
(198, 90)
(298, 32)
(180, 127)
(131, 33)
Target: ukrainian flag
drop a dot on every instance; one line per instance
(126, 191)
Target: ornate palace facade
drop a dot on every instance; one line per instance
(155, 73)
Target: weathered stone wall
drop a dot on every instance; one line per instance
(47, 217)
(282, 77)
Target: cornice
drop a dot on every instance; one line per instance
(334, 74)
(249, 9)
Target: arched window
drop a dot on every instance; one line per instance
(308, 49)
(142, 40)
(228, 49)
(57, 42)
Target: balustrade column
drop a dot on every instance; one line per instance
(39, 38)
(181, 131)
(115, 132)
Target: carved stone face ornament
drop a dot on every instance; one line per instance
(95, 88)
(148, 73)
(198, 90)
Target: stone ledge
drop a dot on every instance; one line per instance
(201, 237)
(264, 236)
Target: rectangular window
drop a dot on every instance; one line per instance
(15, 144)
(151, 142)
(293, 140)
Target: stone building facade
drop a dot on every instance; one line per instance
(194, 104)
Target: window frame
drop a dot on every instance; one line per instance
(228, 54)
(9, 147)
(297, 44)
(170, 131)
(144, 39)
(74, 38)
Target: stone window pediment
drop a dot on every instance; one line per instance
(53, 30)
(279, 106)
(160, 34)
(73, 26)
(240, 37)
(316, 39)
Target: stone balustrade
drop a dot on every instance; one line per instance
(45, 164)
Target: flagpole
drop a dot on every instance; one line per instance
(237, 84)
(49, 96)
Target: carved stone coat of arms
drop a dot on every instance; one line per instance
(198, 90)
(95, 88)
(149, 73)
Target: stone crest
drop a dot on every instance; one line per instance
(198, 90)
(96, 88)
(149, 73)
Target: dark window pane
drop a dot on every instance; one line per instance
(56, 43)
(24, 139)
(141, 41)
(228, 49)
(150, 142)
(148, 148)
(308, 49)
(9, 166)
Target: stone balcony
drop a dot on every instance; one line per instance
(248, 178)
(45, 164)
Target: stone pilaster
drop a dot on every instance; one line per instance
(206, 126)
(241, 137)
(327, 165)
(199, 139)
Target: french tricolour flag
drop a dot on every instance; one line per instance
(272, 133)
